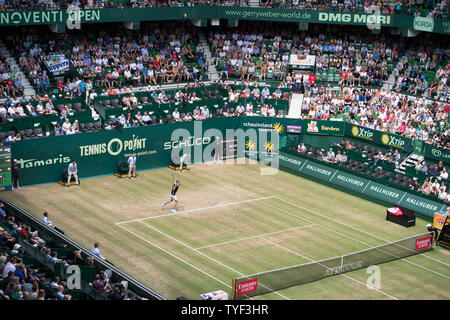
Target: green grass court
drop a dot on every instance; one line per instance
(233, 221)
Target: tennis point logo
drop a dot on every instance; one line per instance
(257, 141)
(246, 287)
(423, 243)
(114, 146)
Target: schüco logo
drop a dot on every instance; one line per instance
(423, 24)
(189, 142)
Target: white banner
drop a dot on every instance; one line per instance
(59, 65)
(302, 60)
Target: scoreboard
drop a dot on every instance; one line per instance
(5, 168)
(226, 149)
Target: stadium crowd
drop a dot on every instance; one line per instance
(429, 8)
(265, 52)
(21, 280)
(161, 53)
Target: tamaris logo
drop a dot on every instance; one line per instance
(32, 163)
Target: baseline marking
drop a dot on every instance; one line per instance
(195, 210)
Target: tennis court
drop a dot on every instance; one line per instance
(243, 225)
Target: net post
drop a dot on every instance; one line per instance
(233, 289)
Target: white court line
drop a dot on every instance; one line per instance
(171, 254)
(348, 277)
(370, 246)
(205, 255)
(196, 210)
(347, 225)
(257, 236)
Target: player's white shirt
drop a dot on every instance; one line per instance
(132, 161)
(184, 158)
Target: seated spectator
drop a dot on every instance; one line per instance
(224, 111)
(331, 157)
(240, 110)
(396, 157)
(176, 115)
(344, 157)
(426, 186)
(377, 158)
(187, 117)
(115, 295)
(301, 148)
(444, 174)
(46, 221)
(96, 251)
(2, 211)
(100, 285)
(264, 110)
(204, 113)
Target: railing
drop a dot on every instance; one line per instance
(133, 284)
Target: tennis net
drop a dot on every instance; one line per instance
(278, 279)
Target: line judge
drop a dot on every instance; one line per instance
(72, 171)
(132, 166)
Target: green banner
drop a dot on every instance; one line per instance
(418, 147)
(42, 160)
(384, 192)
(385, 139)
(361, 185)
(318, 170)
(326, 127)
(350, 181)
(72, 16)
(436, 154)
(420, 204)
(291, 162)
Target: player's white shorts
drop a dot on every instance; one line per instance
(173, 197)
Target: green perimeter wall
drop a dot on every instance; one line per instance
(42, 160)
(357, 185)
(15, 18)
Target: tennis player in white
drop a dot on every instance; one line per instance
(173, 196)
(132, 165)
(184, 159)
